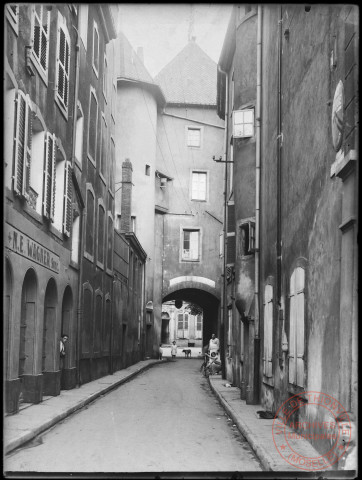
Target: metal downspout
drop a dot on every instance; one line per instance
(224, 309)
(256, 361)
(279, 159)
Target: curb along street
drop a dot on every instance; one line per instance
(24, 426)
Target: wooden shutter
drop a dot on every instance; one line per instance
(292, 331)
(300, 327)
(49, 177)
(231, 241)
(268, 332)
(21, 143)
(41, 35)
(63, 67)
(67, 210)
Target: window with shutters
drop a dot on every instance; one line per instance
(49, 177)
(62, 193)
(10, 100)
(199, 186)
(62, 66)
(83, 24)
(95, 55)
(92, 126)
(90, 205)
(296, 327)
(68, 205)
(79, 134)
(247, 238)
(12, 15)
(190, 245)
(22, 145)
(199, 323)
(101, 232)
(182, 325)
(37, 162)
(75, 234)
(268, 332)
(104, 149)
(40, 39)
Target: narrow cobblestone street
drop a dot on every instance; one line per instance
(166, 419)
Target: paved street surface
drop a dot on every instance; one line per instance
(165, 419)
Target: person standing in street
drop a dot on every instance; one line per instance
(214, 344)
(160, 352)
(63, 341)
(173, 349)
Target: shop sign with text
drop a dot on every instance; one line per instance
(27, 247)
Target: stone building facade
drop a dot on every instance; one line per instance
(289, 87)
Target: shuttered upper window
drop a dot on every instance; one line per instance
(22, 145)
(68, 190)
(268, 331)
(49, 177)
(12, 14)
(62, 66)
(92, 126)
(40, 36)
(95, 57)
(296, 327)
(191, 245)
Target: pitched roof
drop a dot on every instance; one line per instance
(190, 78)
(131, 67)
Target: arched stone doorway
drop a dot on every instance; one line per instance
(165, 327)
(51, 380)
(30, 384)
(207, 301)
(68, 375)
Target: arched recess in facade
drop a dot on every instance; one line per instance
(7, 316)
(28, 323)
(203, 295)
(49, 357)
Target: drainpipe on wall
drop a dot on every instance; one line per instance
(279, 160)
(224, 306)
(82, 222)
(257, 208)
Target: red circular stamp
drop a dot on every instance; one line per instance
(309, 444)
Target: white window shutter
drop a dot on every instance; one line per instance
(270, 340)
(300, 334)
(49, 177)
(21, 141)
(27, 166)
(194, 245)
(67, 211)
(292, 352)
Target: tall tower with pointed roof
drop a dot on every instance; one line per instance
(189, 134)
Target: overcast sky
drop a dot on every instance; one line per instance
(163, 29)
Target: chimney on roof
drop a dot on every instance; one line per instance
(126, 196)
(140, 53)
